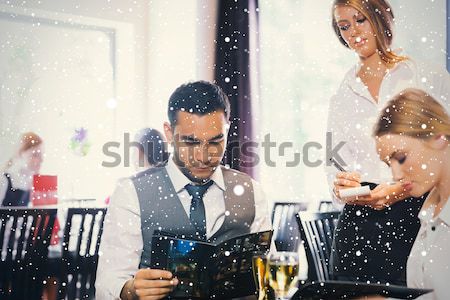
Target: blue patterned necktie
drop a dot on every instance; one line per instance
(197, 214)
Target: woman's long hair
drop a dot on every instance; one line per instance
(413, 113)
(381, 18)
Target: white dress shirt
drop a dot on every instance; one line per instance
(429, 262)
(121, 245)
(353, 113)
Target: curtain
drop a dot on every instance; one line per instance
(448, 34)
(236, 66)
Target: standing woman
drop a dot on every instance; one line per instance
(412, 137)
(375, 233)
(17, 178)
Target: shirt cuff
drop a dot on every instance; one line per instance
(110, 289)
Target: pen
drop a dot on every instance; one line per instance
(338, 166)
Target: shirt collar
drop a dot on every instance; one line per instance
(358, 87)
(355, 84)
(444, 215)
(179, 180)
(426, 213)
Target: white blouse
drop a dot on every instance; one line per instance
(429, 262)
(353, 113)
(21, 178)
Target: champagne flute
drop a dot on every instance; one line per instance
(283, 273)
(259, 266)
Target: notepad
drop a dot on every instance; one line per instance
(356, 191)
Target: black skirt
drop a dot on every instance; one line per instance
(372, 245)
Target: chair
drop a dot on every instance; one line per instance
(24, 239)
(317, 230)
(286, 231)
(326, 206)
(84, 227)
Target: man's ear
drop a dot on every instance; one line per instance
(227, 127)
(439, 142)
(168, 132)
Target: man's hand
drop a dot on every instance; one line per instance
(149, 284)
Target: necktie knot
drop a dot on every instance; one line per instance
(197, 190)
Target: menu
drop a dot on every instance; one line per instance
(207, 270)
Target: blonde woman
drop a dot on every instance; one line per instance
(375, 233)
(412, 137)
(17, 177)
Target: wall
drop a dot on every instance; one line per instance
(165, 47)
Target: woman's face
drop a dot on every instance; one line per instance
(356, 30)
(33, 158)
(416, 163)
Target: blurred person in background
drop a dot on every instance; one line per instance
(17, 178)
(152, 149)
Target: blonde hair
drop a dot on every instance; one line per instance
(413, 113)
(381, 18)
(28, 140)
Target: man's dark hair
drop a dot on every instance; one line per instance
(200, 98)
(153, 146)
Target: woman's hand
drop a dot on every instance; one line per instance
(386, 194)
(345, 180)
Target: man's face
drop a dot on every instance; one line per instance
(33, 158)
(199, 143)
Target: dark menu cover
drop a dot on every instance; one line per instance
(206, 270)
(350, 290)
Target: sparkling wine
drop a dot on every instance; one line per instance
(260, 275)
(283, 277)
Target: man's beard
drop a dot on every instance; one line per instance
(185, 170)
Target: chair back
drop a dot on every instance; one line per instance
(24, 239)
(317, 230)
(286, 232)
(82, 233)
(326, 206)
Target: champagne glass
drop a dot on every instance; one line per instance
(260, 274)
(283, 273)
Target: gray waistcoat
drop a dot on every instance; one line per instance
(161, 209)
